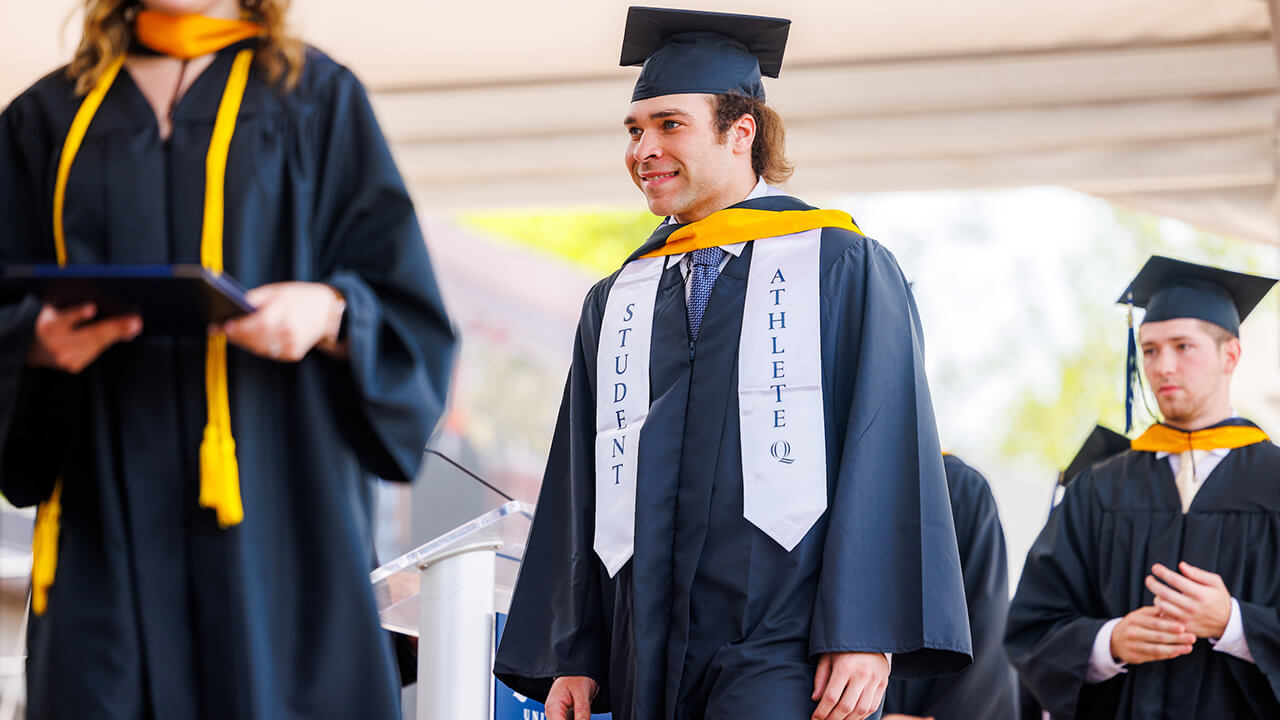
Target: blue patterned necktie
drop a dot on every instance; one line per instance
(706, 268)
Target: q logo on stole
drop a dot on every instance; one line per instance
(781, 451)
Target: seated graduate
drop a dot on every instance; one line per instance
(987, 688)
(1152, 591)
(203, 540)
(744, 511)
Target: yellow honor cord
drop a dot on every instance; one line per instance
(735, 225)
(44, 549)
(44, 541)
(1162, 438)
(71, 146)
(190, 36)
(219, 470)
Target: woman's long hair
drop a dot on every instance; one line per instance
(108, 25)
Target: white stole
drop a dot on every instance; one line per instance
(622, 404)
(784, 440)
(780, 402)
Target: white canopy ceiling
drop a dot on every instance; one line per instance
(1168, 105)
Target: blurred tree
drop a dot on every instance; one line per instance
(597, 240)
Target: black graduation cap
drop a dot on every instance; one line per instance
(1101, 444)
(691, 51)
(1170, 288)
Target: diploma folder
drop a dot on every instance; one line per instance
(172, 299)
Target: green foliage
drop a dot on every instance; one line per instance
(596, 240)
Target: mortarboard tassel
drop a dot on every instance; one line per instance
(1130, 372)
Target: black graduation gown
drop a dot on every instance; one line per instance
(1088, 565)
(988, 688)
(711, 615)
(155, 611)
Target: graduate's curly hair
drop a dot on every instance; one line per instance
(108, 27)
(769, 150)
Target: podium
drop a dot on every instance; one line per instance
(447, 593)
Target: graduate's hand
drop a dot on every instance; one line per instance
(849, 686)
(1196, 598)
(291, 319)
(1144, 636)
(570, 698)
(66, 340)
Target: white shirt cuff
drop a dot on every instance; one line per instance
(1233, 641)
(1102, 666)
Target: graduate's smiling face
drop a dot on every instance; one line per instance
(681, 162)
(212, 8)
(1188, 364)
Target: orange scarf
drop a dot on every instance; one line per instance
(1162, 438)
(190, 36)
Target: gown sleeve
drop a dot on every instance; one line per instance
(557, 626)
(1262, 632)
(36, 404)
(400, 342)
(890, 579)
(1055, 617)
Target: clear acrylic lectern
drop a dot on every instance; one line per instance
(446, 594)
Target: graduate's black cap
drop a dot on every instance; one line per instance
(1170, 289)
(691, 51)
(1101, 444)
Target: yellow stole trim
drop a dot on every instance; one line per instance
(1162, 438)
(219, 471)
(735, 225)
(190, 36)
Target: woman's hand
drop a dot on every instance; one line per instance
(291, 319)
(67, 341)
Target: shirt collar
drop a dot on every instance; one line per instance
(762, 189)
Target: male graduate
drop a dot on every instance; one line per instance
(744, 513)
(988, 688)
(1152, 591)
